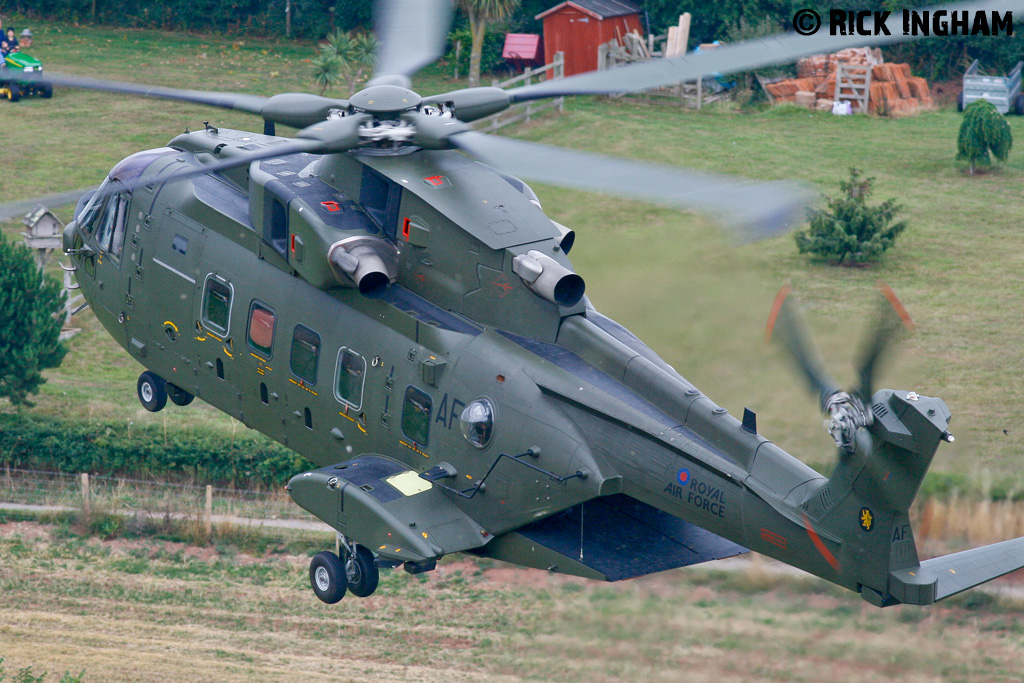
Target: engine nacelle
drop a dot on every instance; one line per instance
(548, 278)
(368, 263)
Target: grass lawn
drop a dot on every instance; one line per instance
(671, 277)
(150, 610)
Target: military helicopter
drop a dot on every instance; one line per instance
(383, 294)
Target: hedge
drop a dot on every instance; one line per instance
(115, 449)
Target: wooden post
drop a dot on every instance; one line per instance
(288, 18)
(86, 506)
(700, 91)
(458, 53)
(209, 511)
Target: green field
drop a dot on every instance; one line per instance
(148, 610)
(671, 277)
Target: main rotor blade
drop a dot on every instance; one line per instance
(20, 207)
(744, 56)
(412, 34)
(791, 329)
(291, 109)
(892, 319)
(755, 209)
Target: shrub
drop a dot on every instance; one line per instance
(849, 228)
(983, 130)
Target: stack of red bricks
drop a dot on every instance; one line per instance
(894, 91)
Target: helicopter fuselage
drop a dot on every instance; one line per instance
(559, 439)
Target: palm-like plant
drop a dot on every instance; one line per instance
(347, 58)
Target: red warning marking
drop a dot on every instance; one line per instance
(773, 538)
(820, 545)
(435, 180)
(331, 206)
(405, 228)
(293, 244)
(503, 287)
(780, 299)
(897, 305)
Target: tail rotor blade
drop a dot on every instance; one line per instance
(892, 320)
(788, 325)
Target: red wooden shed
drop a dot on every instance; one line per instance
(578, 27)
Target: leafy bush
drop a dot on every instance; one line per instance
(849, 228)
(30, 322)
(983, 130)
(108, 449)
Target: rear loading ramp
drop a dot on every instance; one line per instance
(610, 539)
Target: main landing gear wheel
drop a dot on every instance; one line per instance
(327, 576)
(361, 572)
(178, 396)
(152, 391)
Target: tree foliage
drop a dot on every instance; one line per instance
(30, 322)
(849, 228)
(481, 13)
(983, 130)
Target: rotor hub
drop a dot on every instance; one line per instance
(385, 99)
(847, 414)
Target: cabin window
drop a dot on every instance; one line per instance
(348, 386)
(217, 304)
(416, 415)
(106, 224)
(305, 353)
(261, 329)
(275, 225)
(119, 224)
(380, 198)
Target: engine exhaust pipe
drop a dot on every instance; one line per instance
(368, 263)
(548, 278)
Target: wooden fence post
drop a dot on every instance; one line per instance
(209, 511)
(86, 506)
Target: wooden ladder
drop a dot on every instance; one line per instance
(855, 78)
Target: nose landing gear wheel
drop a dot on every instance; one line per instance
(361, 572)
(178, 396)
(152, 391)
(327, 577)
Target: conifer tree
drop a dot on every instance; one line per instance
(30, 321)
(983, 130)
(849, 228)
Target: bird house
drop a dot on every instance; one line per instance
(44, 233)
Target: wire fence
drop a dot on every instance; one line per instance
(941, 524)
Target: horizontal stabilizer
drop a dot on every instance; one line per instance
(960, 571)
(942, 577)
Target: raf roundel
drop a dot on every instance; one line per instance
(683, 476)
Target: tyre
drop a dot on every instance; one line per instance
(178, 396)
(327, 577)
(152, 391)
(960, 102)
(361, 572)
(1018, 105)
(13, 92)
(47, 90)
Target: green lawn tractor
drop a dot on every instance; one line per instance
(22, 75)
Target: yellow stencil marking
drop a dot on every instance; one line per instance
(413, 448)
(168, 322)
(303, 386)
